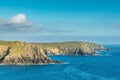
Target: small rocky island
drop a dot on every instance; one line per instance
(16, 52)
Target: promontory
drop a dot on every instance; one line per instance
(17, 52)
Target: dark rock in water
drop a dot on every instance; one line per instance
(36, 53)
(108, 49)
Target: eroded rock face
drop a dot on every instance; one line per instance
(33, 57)
(68, 51)
(72, 48)
(4, 51)
(23, 53)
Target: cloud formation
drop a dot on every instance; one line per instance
(17, 23)
(20, 24)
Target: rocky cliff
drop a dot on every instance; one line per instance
(4, 51)
(36, 53)
(70, 48)
(23, 53)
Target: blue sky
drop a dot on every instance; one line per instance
(60, 20)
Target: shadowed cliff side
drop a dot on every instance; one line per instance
(4, 51)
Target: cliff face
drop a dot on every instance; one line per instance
(71, 48)
(35, 53)
(4, 51)
(23, 53)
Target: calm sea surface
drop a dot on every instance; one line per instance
(105, 66)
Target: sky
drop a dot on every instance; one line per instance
(60, 20)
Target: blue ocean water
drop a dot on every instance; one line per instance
(105, 66)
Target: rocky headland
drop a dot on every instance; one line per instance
(16, 52)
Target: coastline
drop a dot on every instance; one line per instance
(24, 53)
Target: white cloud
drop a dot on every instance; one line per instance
(19, 18)
(17, 23)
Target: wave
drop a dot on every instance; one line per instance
(76, 74)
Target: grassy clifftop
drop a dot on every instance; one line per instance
(16, 52)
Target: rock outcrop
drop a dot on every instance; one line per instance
(36, 53)
(4, 51)
(23, 53)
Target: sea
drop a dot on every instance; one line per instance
(105, 66)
